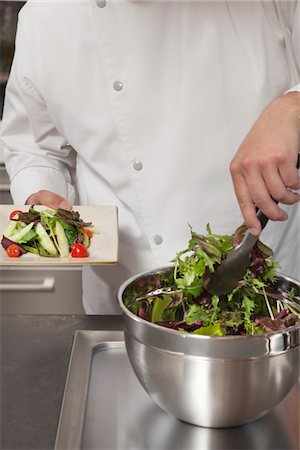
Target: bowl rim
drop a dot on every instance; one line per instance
(275, 342)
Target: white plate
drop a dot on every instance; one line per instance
(103, 248)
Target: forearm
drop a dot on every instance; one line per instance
(289, 104)
(36, 155)
(31, 180)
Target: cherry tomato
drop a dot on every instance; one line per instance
(87, 232)
(14, 213)
(13, 251)
(79, 251)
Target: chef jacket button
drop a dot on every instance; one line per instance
(101, 3)
(118, 85)
(157, 239)
(137, 165)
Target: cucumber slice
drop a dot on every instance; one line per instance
(18, 236)
(30, 249)
(86, 240)
(62, 241)
(10, 228)
(45, 240)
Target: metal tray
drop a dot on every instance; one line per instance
(105, 408)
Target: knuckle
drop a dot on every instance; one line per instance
(264, 162)
(280, 158)
(234, 167)
(241, 165)
(267, 160)
(247, 164)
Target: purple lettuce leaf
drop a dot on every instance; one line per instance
(5, 242)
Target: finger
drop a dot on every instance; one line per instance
(261, 197)
(277, 187)
(65, 204)
(247, 206)
(290, 175)
(49, 199)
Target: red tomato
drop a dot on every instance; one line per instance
(14, 213)
(79, 251)
(13, 251)
(87, 232)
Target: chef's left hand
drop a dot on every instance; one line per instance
(48, 198)
(264, 167)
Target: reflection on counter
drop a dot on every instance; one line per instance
(164, 432)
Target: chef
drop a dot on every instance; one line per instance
(156, 107)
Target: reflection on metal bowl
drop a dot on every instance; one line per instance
(206, 380)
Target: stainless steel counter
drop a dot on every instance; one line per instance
(106, 408)
(35, 353)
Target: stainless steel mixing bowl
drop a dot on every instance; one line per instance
(205, 380)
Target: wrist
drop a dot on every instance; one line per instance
(293, 104)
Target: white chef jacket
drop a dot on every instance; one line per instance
(143, 105)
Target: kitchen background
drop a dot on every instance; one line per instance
(38, 290)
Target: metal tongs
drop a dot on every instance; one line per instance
(230, 271)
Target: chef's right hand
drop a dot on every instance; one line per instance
(264, 168)
(49, 199)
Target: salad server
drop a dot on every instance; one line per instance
(232, 269)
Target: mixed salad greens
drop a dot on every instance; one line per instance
(52, 233)
(179, 298)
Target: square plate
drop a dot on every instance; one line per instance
(104, 244)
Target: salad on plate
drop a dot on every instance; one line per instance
(47, 232)
(178, 298)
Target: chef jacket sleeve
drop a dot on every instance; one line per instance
(36, 155)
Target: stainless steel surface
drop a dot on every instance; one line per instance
(41, 290)
(72, 417)
(105, 408)
(154, 293)
(5, 197)
(4, 187)
(218, 381)
(291, 303)
(46, 284)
